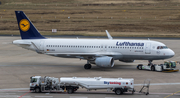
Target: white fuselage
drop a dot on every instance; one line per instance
(84, 48)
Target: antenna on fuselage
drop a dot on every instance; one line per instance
(148, 39)
(108, 35)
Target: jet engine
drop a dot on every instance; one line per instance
(127, 61)
(103, 61)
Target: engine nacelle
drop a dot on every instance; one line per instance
(127, 61)
(104, 61)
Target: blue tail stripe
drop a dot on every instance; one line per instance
(26, 28)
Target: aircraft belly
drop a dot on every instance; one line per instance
(145, 57)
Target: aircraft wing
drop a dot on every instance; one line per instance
(85, 55)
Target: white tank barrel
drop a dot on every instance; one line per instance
(98, 82)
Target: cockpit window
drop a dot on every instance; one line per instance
(162, 47)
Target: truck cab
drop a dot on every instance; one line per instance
(35, 83)
(170, 64)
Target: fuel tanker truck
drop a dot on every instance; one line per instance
(72, 84)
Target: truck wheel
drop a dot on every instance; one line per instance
(152, 68)
(37, 90)
(162, 69)
(70, 91)
(118, 92)
(140, 66)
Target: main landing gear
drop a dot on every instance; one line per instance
(87, 66)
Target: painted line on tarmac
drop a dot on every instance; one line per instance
(77, 97)
(14, 96)
(24, 94)
(7, 93)
(172, 94)
(10, 93)
(16, 89)
(23, 91)
(158, 84)
(9, 96)
(44, 96)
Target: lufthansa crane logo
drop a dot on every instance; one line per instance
(24, 25)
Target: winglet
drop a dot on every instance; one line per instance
(109, 36)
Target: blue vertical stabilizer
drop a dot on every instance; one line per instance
(26, 28)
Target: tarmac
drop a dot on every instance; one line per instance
(17, 65)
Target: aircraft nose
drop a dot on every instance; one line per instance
(171, 53)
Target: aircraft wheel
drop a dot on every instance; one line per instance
(87, 66)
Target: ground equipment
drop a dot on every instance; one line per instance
(168, 66)
(71, 84)
(145, 87)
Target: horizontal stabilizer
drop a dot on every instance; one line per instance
(21, 42)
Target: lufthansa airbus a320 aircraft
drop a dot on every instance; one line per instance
(101, 52)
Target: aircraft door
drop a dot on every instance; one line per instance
(41, 46)
(148, 48)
